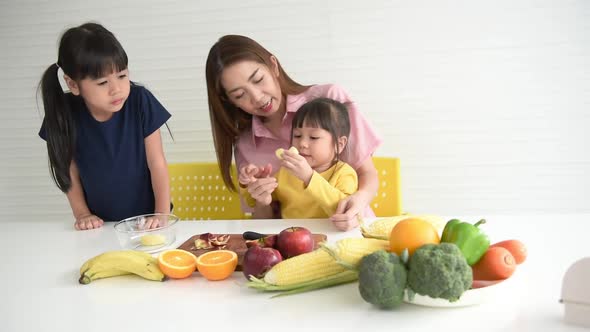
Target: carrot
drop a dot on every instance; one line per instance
(497, 263)
(516, 248)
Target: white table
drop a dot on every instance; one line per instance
(40, 291)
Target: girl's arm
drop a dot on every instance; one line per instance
(345, 217)
(159, 172)
(329, 193)
(84, 218)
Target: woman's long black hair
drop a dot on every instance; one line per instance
(86, 51)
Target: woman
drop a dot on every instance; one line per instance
(252, 102)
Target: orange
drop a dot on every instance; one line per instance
(412, 233)
(217, 264)
(177, 263)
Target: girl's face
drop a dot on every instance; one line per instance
(103, 96)
(253, 87)
(316, 146)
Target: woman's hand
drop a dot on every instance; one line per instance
(348, 211)
(297, 165)
(251, 172)
(88, 222)
(261, 190)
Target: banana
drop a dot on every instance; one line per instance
(87, 278)
(120, 262)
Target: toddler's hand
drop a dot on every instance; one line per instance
(297, 165)
(88, 222)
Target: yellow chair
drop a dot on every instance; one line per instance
(198, 192)
(388, 201)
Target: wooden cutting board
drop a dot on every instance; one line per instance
(237, 244)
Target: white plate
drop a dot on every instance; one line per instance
(471, 297)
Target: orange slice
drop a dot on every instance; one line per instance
(177, 263)
(217, 264)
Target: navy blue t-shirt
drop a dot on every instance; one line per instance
(111, 155)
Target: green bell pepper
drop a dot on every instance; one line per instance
(469, 238)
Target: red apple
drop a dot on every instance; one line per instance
(267, 241)
(258, 260)
(294, 241)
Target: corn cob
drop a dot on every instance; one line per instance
(323, 267)
(381, 228)
(350, 251)
(305, 267)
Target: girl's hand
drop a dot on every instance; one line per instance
(346, 216)
(155, 222)
(88, 222)
(297, 165)
(251, 172)
(261, 190)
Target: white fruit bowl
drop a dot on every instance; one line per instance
(136, 233)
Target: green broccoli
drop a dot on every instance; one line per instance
(382, 279)
(439, 271)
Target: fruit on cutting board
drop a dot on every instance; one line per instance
(268, 241)
(120, 262)
(258, 260)
(294, 241)
(177, 263)
(217, 264)
(411, 234)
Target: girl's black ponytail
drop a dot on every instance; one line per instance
(59, 128)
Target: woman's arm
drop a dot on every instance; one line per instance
(345, 217)
(84, 218)
(159, 172)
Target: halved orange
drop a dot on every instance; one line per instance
(217, 264)
(177, 263)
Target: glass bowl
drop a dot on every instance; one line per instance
(134, 233)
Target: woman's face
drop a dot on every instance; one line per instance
(253, 87)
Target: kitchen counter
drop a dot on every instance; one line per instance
(40, 289)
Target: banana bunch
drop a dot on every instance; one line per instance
(120, 262)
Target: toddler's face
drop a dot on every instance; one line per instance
(316, 146)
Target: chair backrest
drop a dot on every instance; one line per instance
(198, 192)
(388, 200)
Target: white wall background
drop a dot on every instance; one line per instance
(485, 102)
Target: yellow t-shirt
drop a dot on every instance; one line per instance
(319, 199)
